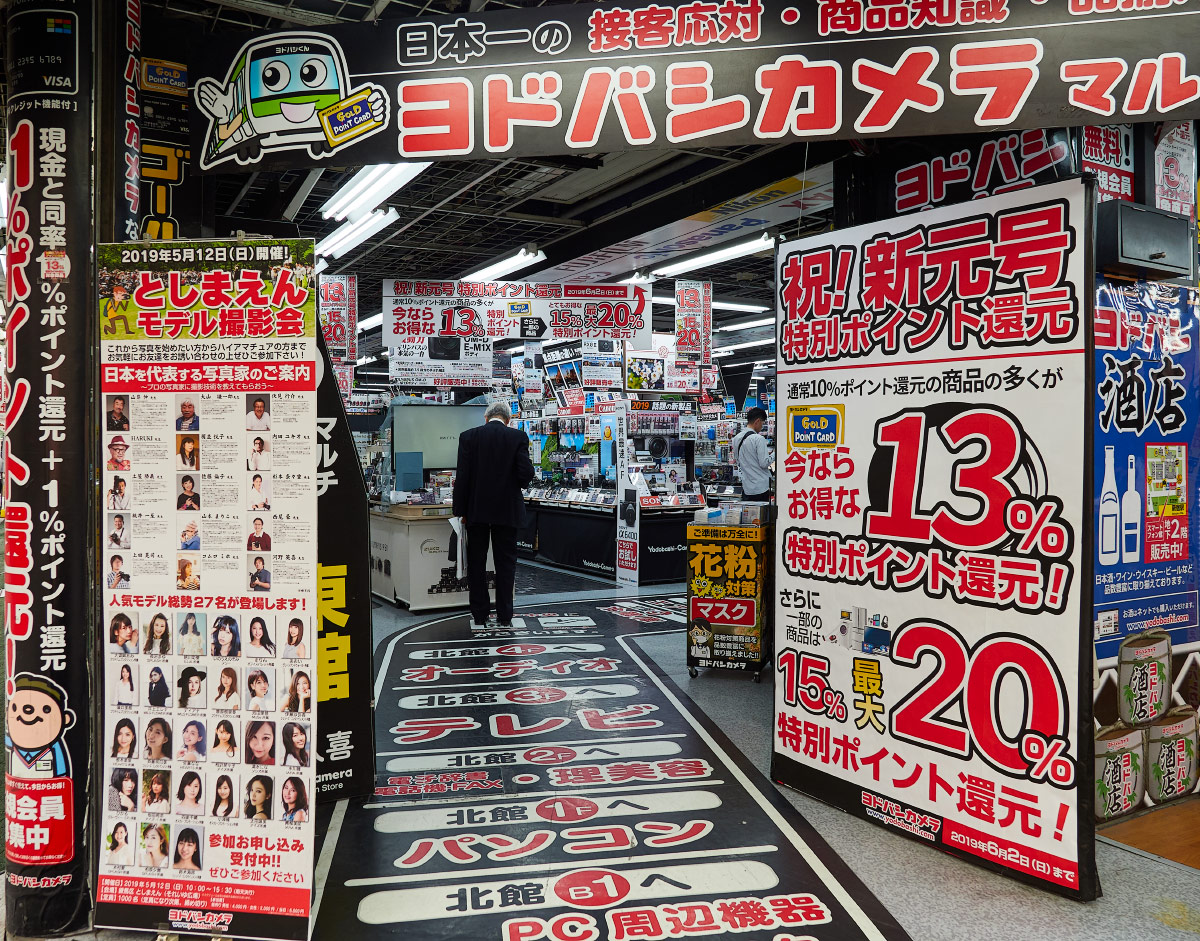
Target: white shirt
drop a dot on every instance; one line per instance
(753, 461)
(254, 423)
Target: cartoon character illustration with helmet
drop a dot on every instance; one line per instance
(287, 92)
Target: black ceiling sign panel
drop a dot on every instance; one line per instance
(578, 79)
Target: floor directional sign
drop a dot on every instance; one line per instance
(546, 782)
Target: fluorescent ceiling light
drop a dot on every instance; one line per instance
(523, 258)
(321, 265)
(726, 350)
(638, 277)
(363, 360)
(753, 246)
(369, 187)
(720, 305)
(369, 322)
(747, 325)
(352, 234)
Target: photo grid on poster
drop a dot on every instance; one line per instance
(209, 634)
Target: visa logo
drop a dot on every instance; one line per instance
(57, 81)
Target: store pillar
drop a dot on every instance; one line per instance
(47, 451)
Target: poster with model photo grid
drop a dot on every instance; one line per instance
(932, 460)
(209, 352)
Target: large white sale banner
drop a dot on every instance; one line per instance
(933, 601)
(208, 390)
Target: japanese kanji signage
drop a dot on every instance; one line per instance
(726, 573)
(337, 303)
(543, 781)
(693, 321)
(931, 588)
(208, 379)
(500, 310)
(1147, 460)
(686, 73)
(1108, 153)
(46, 455)
(1175, 169)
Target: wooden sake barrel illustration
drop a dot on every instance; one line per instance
(1120, 770)
(1171, 755)
(1144, 677)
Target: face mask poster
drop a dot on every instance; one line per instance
(208, 392)
(932, 614)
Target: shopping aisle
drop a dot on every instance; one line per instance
(548, 779)
(929, 894)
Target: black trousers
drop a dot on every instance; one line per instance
(757, 497)
(504, 555)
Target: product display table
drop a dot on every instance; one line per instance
(410, 563)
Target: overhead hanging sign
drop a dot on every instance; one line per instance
(442, 361)
(658, 369)
(601, 364)
(209, 365)
(933, 608)
(693, 321)
(592, 79)
(337, 303)
(522, 310)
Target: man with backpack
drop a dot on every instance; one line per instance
(753, 457)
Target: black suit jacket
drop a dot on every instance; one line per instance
(493, 466)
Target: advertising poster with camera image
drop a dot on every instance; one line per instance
(933, 600)
(441, 361)
(209, 370)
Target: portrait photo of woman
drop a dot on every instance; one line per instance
(224, 746)
(188, 453)
(294, 645)
(191, 687)
(157, 739)
(120, 850)
(124, 743)
(193, 746)
(258, 683)
(258, 798)
(187, 851)
(227, 690)
(191, 633)
(224, 803)
(260, 493)
(187, 575)
(155, 841)
(260, 643)
(295, 745)
(299, 694)
(122, 789)
(187, 797)
(125, 688)
(293, 799)
(226, 640)
(260, 743)
(158, 636)
(158, 691)
(156, 793)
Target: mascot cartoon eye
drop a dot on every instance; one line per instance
(313, 73)
(276, 75)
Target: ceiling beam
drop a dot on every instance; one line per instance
(283, 14)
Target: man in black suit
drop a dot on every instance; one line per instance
(493, 466)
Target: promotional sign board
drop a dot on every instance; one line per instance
(337, 304)
(693, 321)
(1147, 460)
(441, 361)
(208, 371)
(726, 572)
(1175, 169)
(533, 365)
(657, 369)
(601, 364)
(503, 310)
(345, 742)
(671, 74)
(932, 588)
(1108, 153)
(48, 428)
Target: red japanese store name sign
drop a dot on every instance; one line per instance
(568, 79)
(931, 445)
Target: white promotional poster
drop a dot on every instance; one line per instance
(1175, 169)
(614, 416)
(693, 321)
(533, 365)
(933, 606)
(657, 369)
(442, 361)
(337, 304)
(502, 310)
(208, 397)
(601, 366)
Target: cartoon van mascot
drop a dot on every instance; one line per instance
(286, 92)
(37, 718)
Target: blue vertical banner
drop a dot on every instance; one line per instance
(1147, 461)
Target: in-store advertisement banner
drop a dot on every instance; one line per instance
(1108, 153)
(601, 365)
(504, 310)
(726, 573)
(533, 364)
(441, 361)
(1175, 169)
(933, 605)
(672, 74)
(693, 321)
(337, 303)
(48, 435)
(658, 369)
(345, 746)
(614, 419)
(208, 380)
(1147, 460)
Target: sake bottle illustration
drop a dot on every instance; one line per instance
(1131, 519)
(1110, 514)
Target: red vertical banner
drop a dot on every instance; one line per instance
(337, 303)
(693, 321)
(933, 599)
(1175, 169)
(1108, 153)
